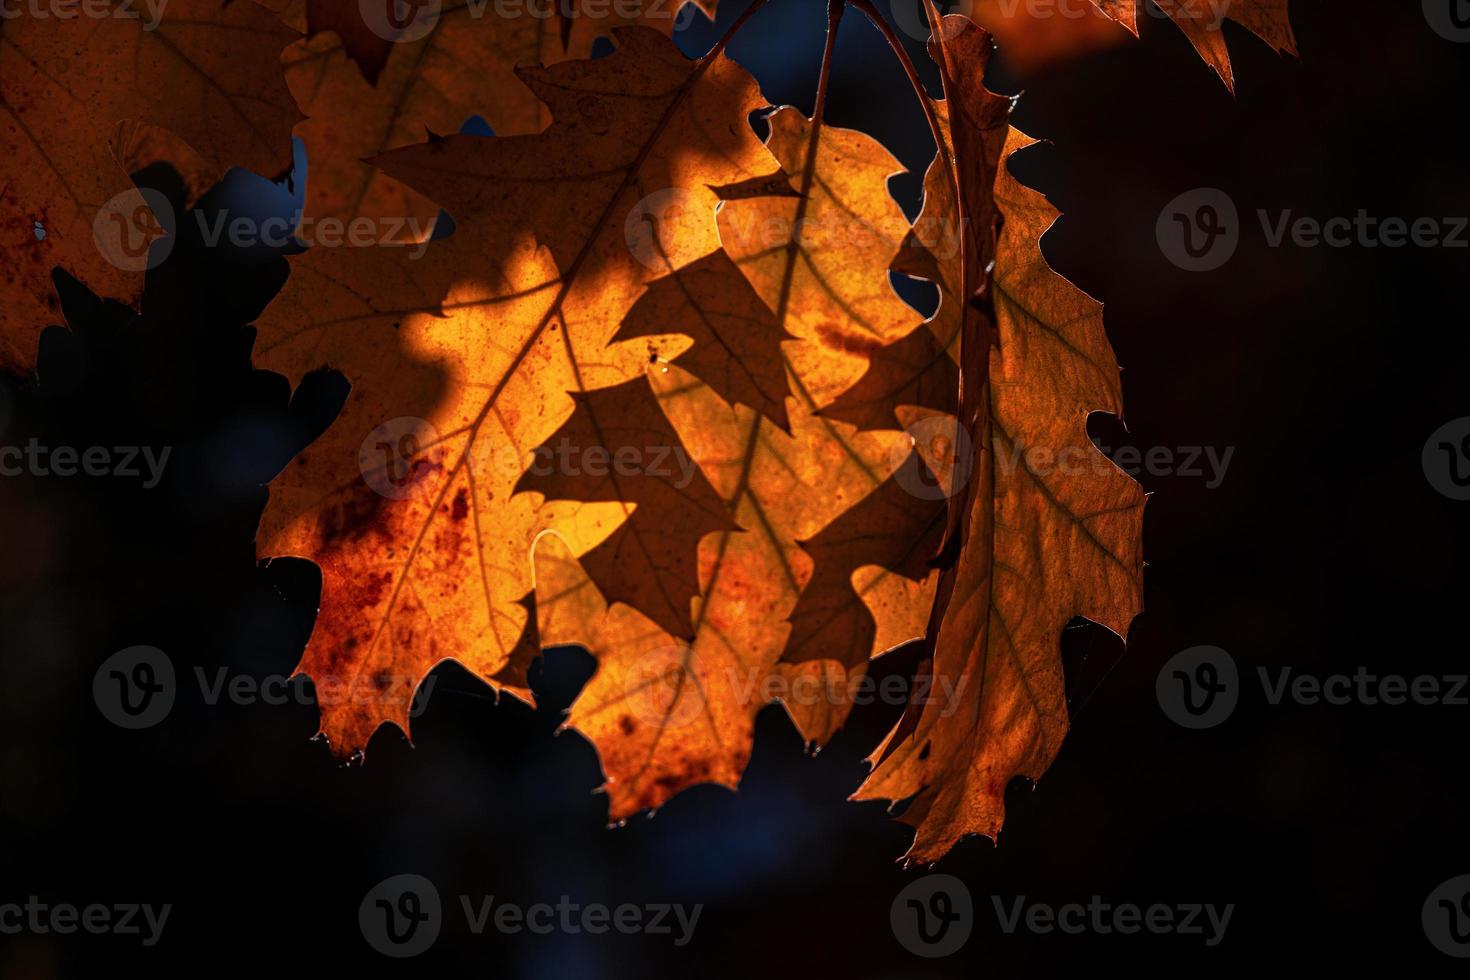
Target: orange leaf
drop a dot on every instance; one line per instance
(474, 350)
(828, 539)
(370, 88)
(208, 72)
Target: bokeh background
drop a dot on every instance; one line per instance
(1324, 549)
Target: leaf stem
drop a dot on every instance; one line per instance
(735, 28)
(942, 149)
(935, 128)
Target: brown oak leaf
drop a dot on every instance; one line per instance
(1202, 21)
(1051, 530)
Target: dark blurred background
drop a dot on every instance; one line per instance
(1324, 548)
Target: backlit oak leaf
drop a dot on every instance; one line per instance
(1203, 22)
(667, 712)
(909, 382)
(913, 370)
(364, 95)
(835, 286)
(737, 341)
(829, 282)
(424, 544)
(952, 240)
(207, 72)
(886, 541)
(1051, 530)
(618, 447)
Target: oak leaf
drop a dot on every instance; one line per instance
(208, 72)
(1051, 530)
(441, 64)
(1203, 21)
(666, 712)
(481, 342)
